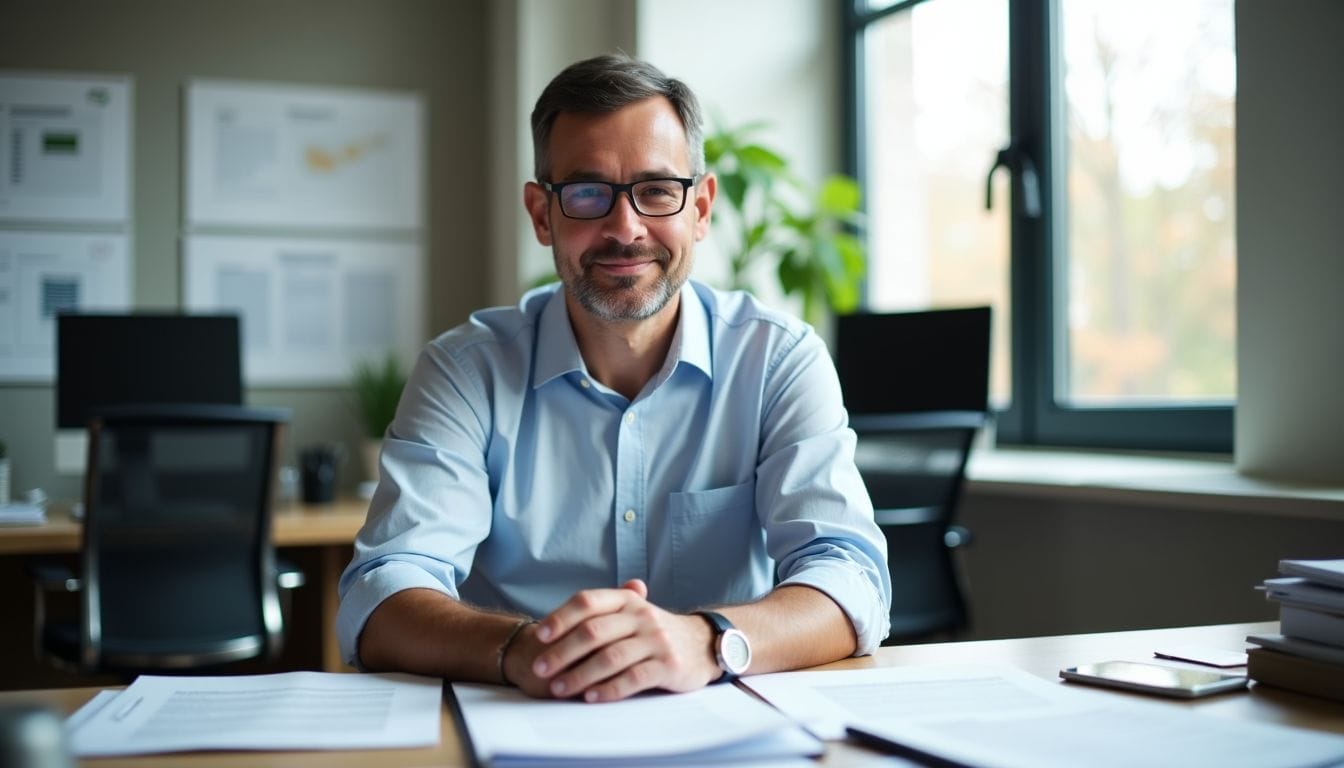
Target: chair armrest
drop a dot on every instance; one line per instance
(907, 516)
(288, 575)
(54, 577)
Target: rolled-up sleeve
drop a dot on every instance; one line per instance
(432, 507)
(813, 504)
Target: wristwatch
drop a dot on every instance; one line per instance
(731, 648)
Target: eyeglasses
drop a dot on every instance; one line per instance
(595, 199)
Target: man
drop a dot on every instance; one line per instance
(621, 451)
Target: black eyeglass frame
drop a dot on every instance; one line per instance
(616, 189)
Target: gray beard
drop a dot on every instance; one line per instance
(622, 302)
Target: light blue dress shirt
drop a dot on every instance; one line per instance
(512, 479)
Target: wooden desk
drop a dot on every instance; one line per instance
(329, 527)
(1042, 656)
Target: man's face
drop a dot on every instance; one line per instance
(623, 266)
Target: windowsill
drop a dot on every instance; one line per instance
(1189, 481)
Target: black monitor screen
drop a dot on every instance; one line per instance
(144, 358)
(914, 361)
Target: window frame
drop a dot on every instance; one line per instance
(1036, 290)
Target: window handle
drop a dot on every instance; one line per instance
(1021, 166)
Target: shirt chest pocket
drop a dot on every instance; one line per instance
(718, 546)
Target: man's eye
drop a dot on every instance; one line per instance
(587, 193)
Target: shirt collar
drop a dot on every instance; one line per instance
(691, 344)
(557, 350)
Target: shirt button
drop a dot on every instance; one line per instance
(629, 515)
(630, 418)
(584, 383)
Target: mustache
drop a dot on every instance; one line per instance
(631, 252)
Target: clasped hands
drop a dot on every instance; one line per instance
(609, 644)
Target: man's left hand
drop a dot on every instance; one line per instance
(608, 644)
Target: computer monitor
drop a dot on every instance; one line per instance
(899, 362)
(106, 359)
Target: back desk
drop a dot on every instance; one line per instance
(324, 533)
(1042, 656)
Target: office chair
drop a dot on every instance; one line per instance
(178, 566)
(913, 465)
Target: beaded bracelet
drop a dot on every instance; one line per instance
(504, 647)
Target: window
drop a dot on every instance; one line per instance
(1108, 252)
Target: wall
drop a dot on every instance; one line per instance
(434, 48)
(1041, 565)
(1290, 240)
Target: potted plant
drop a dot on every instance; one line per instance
(776, 216)
(377, 386)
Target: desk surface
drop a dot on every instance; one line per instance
(295, 525)
(1042, 656)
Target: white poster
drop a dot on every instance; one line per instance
(303, 157)
(65, 146)
(310, 308)
(45, 273)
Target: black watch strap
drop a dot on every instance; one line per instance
(723, 628)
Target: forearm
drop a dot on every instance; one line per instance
(428, 633)
(793, 627)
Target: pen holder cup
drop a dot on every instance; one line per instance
(318, 467)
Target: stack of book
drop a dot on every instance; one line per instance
(1308, 653)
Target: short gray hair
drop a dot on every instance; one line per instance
(604, 84)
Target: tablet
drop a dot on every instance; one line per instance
(1153, 678)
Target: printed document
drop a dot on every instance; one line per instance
(999, 716)
(717, 724)
(294, 710)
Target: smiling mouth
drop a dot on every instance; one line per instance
(627, 257)
(624, 264)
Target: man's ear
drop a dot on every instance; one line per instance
(537, 201)
(705, 192)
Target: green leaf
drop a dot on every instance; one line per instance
(839, 195)
(792, 275)
(734, 188)
(756, 235)
(851, 253)
(761, 159)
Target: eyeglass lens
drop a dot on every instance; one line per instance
(593, 200)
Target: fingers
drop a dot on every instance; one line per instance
(665, 651)
(597, 638)
(587, 604)
(607, 644)
(622, 667)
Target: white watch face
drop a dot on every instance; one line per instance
(735, 651)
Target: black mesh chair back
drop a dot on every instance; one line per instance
(914, 465)
(178, 562)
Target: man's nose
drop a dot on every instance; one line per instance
(623, 224)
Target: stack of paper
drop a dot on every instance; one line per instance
(713, 726)
(1308, 654)
(16, 513)
(293, 710)
(995, 716)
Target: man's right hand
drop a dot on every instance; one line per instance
(518, 660)
(609, 644)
